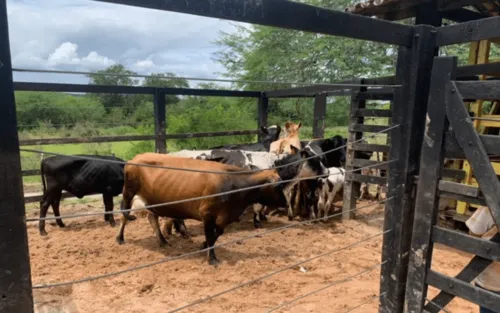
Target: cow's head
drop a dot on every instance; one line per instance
(335, 158)
(300, 164)
(292, 128)
(271, 133)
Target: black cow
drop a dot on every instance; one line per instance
(269, 134)
(332, 159)
(80, 177)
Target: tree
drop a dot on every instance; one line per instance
(125, 102)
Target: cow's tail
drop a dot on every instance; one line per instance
(42, 174)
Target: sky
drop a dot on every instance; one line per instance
(84, 35)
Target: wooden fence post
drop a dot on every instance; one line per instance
(319, 115)
(15, 272)
(262, 111)
(430, 173)
(351, 187)
(160, 121)
(408, 110)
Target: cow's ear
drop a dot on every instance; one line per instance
(294, 149)
(300, 124)
(263, 129)
(287, 125)
(279, 129)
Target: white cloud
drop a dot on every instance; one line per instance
(82, 34)
(143, 65)
(67, 54)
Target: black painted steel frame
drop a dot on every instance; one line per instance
(416, 49)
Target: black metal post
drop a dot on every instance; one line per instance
(15, 273)
(409, 110)
(319, 115)
(160, 121)
(262, 111)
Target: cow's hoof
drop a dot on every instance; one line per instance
(43, 233)
(120, 241)
(112, 223)
(257, 225)
(204, 245)
(186, 235)
(290, 218)
(131, 217)
(61, 224)
(263, 218)
(214, 262)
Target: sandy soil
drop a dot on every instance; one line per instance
(87, 247)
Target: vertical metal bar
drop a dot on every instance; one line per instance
(351, 188)
(431, 165)
(160, 121)
(15, 273)
(409, 110)
(319, 115)
(263, 111)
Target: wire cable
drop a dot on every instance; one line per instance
(274, 273)
(199, 78)
(366, 302)
(336, 282)
(168, 259)
(152, 206)
(206, 171)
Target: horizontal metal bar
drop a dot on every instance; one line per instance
(30, 172)
(461, 189)
(51, 141)
(484, 90)
(284, 14)
(367, 128)
(487, 28)
(55, 87)
(376, 180)
(460, 241)
(38, 197)
(370, 147)
(464, 290)
(373, 112)
(212, 134)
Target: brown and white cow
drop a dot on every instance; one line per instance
(284, 145)
(160, 185)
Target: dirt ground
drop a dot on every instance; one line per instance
(87, 247)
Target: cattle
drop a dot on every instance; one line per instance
(303, 195)
(160, 185)
(331, 159)
(245, 159)
(80, 177)
(292, 139)
(269, 134)
(329, 191)
(180, 227)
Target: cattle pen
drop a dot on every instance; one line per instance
(424, 85)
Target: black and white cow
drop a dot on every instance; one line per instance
(269, 135)
(80, 177)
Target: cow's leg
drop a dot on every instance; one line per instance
(167, 226)
(108, 207)
(153, 220)
(57, 213)
(210, 238)
(180, 228)
(125, 204)
(257, 208)
(262, 214)
(328, 206)
(44, 207)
